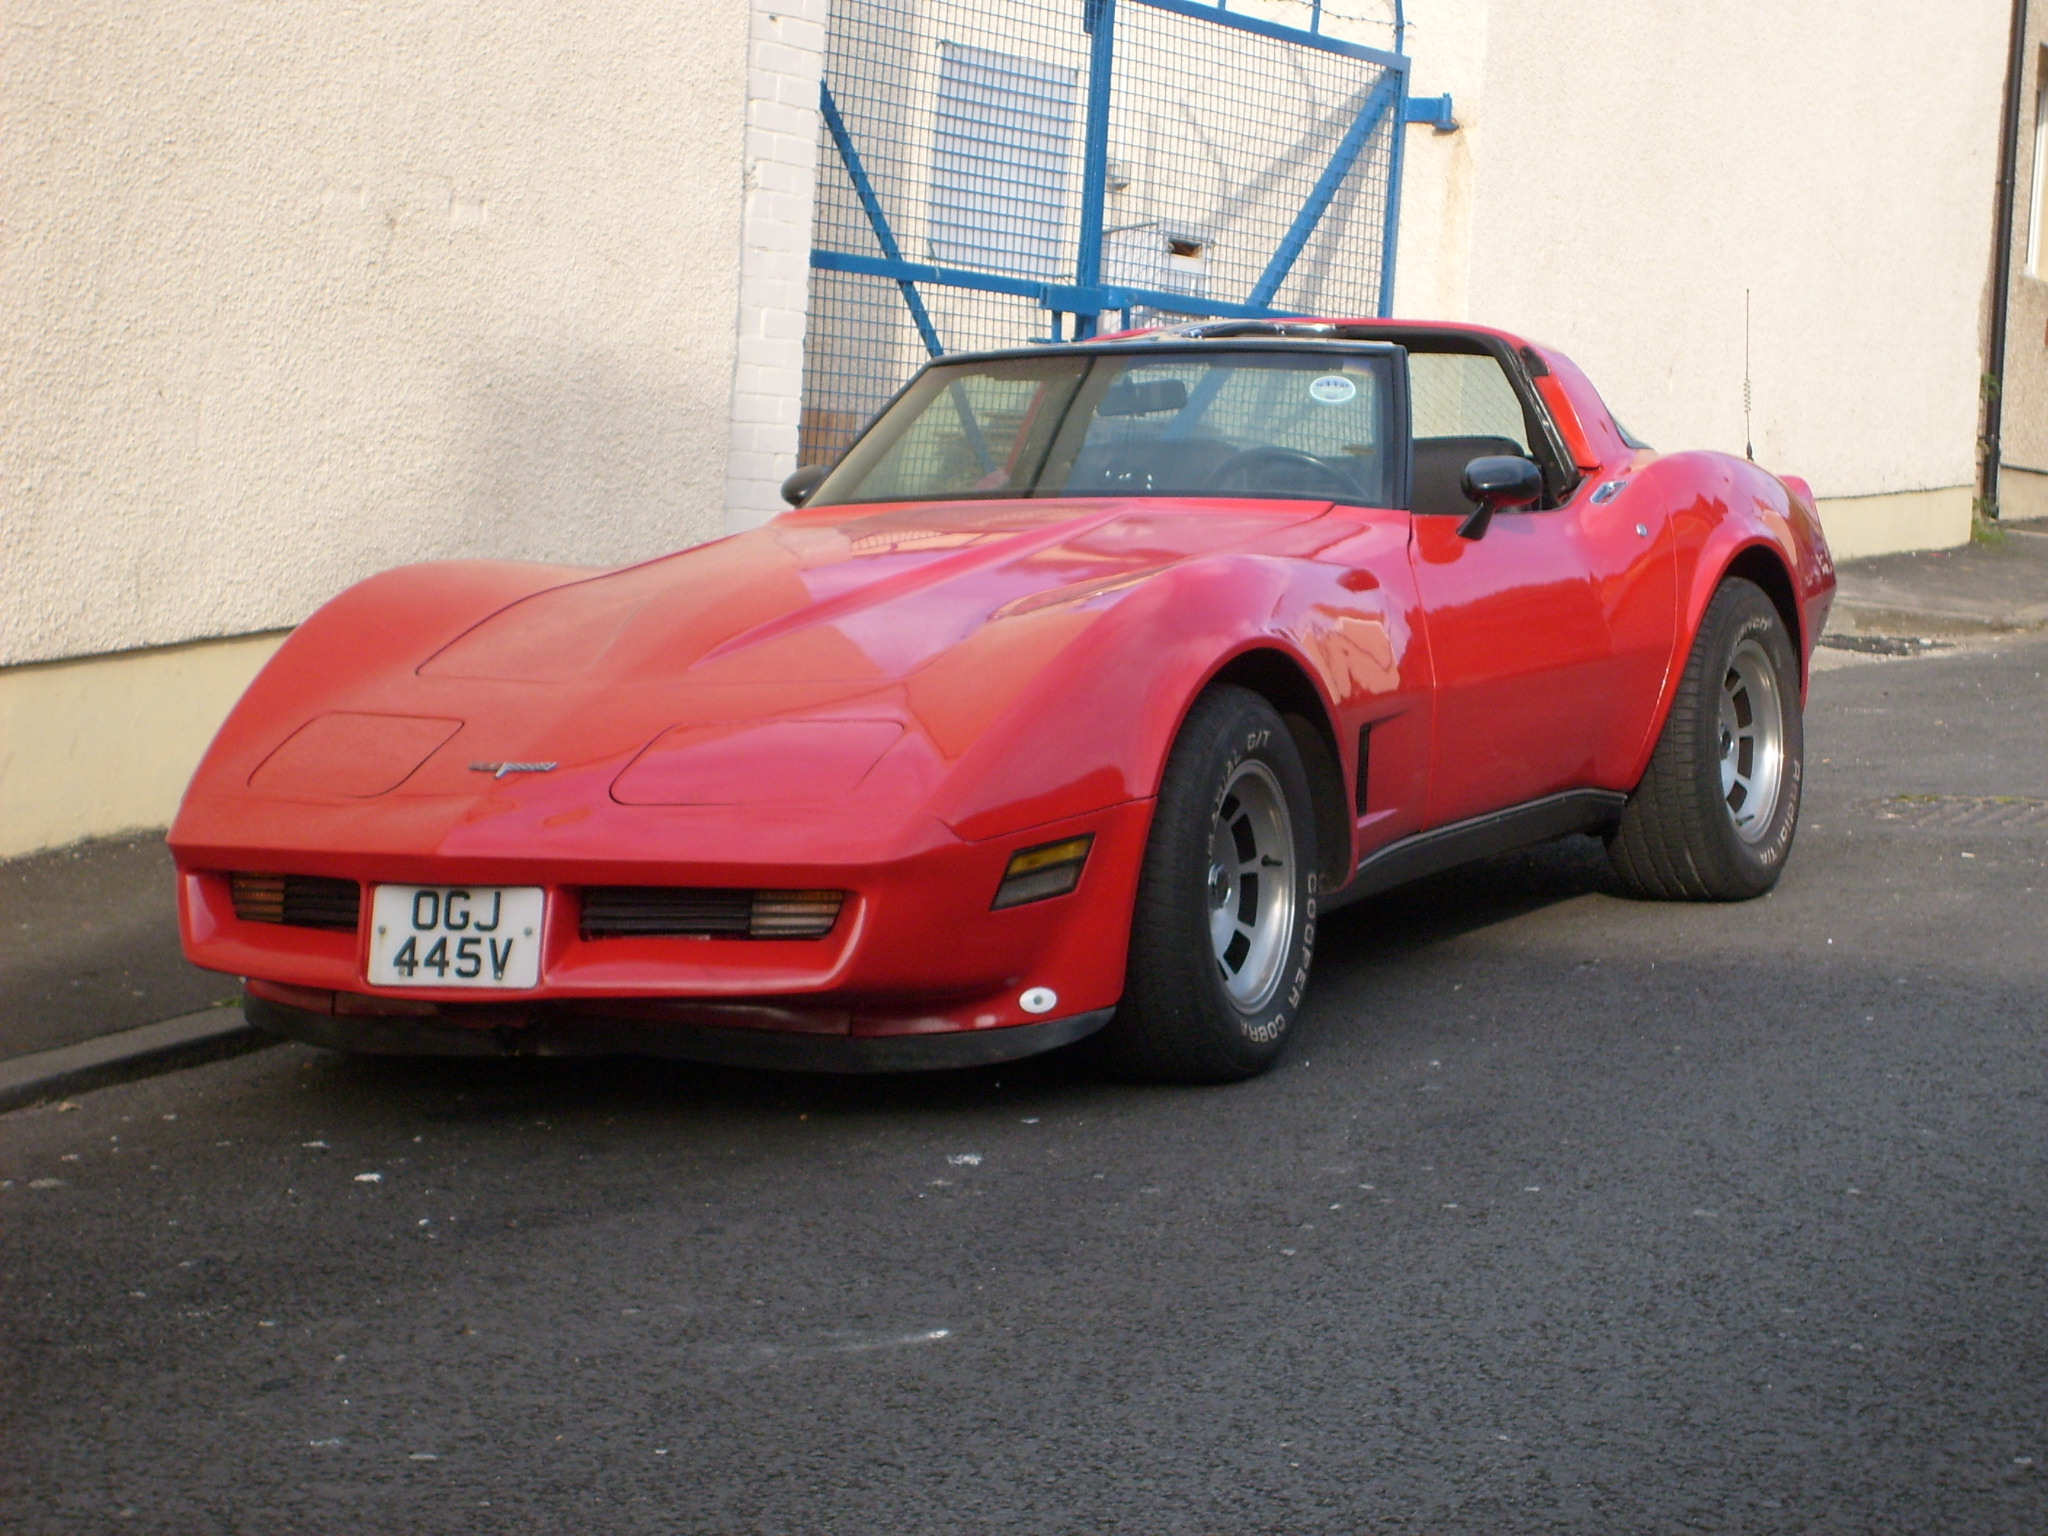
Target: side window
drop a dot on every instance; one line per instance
(1463, 408)
(1455, 394)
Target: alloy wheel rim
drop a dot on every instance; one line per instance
(1752, 741)
(1250, 882)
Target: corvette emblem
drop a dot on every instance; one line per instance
(499, 770)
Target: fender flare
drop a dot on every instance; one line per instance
(1131, 712)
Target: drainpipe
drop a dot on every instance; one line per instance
(2001, 268)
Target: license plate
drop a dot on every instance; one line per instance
(455, 935)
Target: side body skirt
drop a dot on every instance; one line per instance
(1479, 837)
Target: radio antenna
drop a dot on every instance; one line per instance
(1748, 438)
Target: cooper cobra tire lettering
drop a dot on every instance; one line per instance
(1179, 1020)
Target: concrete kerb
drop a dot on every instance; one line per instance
(188, 1041)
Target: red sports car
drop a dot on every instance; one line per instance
(1060, 707)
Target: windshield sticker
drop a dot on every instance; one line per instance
(1332, 389)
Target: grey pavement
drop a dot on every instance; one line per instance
(89, 945)
(1999, 583)
(1566, 1213)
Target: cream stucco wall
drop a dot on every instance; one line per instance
(1627, 171)
(90, 748)
(294, 293)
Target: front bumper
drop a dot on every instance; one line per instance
(917, 954)
(734, 1040)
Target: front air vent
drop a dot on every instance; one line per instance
(697, 912)
(297, 901)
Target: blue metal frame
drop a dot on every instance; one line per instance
(1391, 231)
(1362, 128)
(872, 206)
(1200, 10)
(1061, 298)
(1087, 299)
(1434, 111)
(1099, 17)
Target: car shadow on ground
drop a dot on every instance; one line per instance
(1375, 931)
(1466, 899)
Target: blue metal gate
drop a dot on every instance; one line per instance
(998, 171)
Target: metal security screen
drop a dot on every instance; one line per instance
(996, 171)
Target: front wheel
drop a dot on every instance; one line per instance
(1224, 924)
(1713, 817)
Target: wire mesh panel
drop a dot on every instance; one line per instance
(963, 118)
(1218, 139)
(993, 172)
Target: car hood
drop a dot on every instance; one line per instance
(843, 595)
(834, 658)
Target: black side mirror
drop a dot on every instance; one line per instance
(796, 490)
(1497, 483)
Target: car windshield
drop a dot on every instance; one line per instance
(1269, 424)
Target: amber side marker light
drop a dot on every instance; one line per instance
(1050, 869)
(794, 914)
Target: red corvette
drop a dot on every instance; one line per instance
(1060, 707)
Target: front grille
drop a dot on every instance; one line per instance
(626, 911)
(297, 901)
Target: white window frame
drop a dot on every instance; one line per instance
(2037, 237)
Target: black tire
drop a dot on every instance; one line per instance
(1687, 833)
(1186, 1016)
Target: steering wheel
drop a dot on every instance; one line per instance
(1245, 470)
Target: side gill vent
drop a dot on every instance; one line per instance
(297, 901)
(673, 911)
(1364, 769)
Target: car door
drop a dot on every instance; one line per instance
(1549, 636)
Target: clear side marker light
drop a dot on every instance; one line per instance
(1039, 1000)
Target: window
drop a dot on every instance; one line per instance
(1000, 162)
(983, 431)
(1458, 394)
(1276, 424)
(2037, 237)
(1287, 424)
(1463, 409)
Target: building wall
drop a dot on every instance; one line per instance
(1628, 171)
(103, 745)
(295, 293)
(2023, 486)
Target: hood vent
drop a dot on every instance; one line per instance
(703, 912)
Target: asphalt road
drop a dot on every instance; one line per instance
(1567, 1213)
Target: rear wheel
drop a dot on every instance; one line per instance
(1714, 815)
(1224, 924)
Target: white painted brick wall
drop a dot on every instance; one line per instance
(785, 60)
